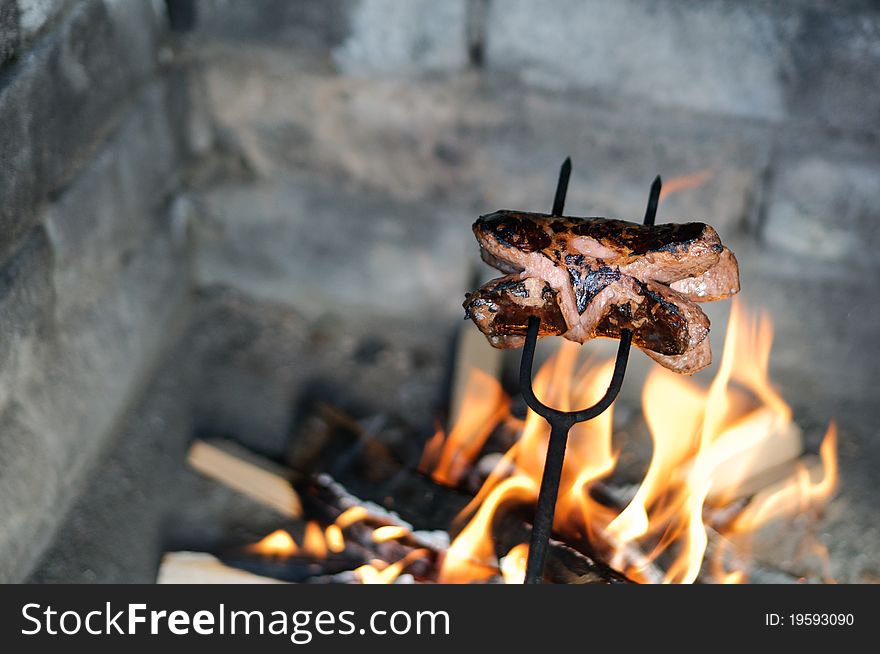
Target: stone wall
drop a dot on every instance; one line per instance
(434, 111)
(94, 139)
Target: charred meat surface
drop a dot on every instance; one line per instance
(593, 277)
(661, 320)
(502, 308)
(664, 253)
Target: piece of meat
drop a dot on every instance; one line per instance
(502, 307)
(688, 363)
(663, 253)
(719, 282)
(593, 277)
(660, 319)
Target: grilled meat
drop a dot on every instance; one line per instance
(592, 277)
(719, 282)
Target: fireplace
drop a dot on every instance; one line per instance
(238, 239)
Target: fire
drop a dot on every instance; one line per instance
(389, 532)
(277, 544)
(335, 539)
(380, 572)
(797, 495)
(472, 554)
(316, 542)
(513, 566)
(484, 406)
(709, 447)
(313, 541)
(693, 180)
(351, 516)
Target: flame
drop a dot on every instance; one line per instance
(709, 445)
(513, 566)
(483, 407)
(277, 544)
(433, 448)
(313, 541)
(350, 516)
(380, 572)
(684, 182)
(335, 539)
(797, 495)
(389, 532)
(316, 542)
(471, 556)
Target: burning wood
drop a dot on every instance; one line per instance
(363, 542)
(717, 449)
(726, 461)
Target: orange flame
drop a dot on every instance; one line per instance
(350, 516)
(684, 182)
(380, 572)
(277, 544)
(513, 566)
(710, 445)
(316, 542)
(484, 405)
(313, 541)
(389, 532)
(335, 539)
(797, 495)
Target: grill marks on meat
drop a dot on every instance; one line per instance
(593, 277)
(662, 321)
(588, 278)
(502, 308)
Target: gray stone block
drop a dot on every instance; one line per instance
(393, 38)
(63, 97)
(319, 247)
(308, 24)
(832, 71)
(29, 492)
(825, 207)
(9, 30)
(27, 300)
(29, 457)
(70, 387)
(188, 111)
(104, 51)
(816, 61)
(710, 165)
(476, 147)
(36, 14)
(717, 56)
(104, 214)
(103, 347)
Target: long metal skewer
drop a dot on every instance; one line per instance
(561, 422)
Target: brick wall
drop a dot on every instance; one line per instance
(94, 136)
